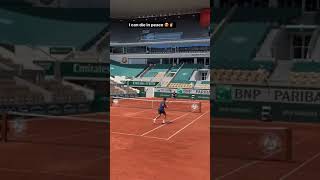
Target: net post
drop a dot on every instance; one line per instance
(4, 127)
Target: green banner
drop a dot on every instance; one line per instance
(180, 91)
(157, 94)
(76, 69)
(223, 93)
(201, 97)
(267, 94)
(183, 96)
(279, 111)
(142, 83)
(72, 69)
(183, 91)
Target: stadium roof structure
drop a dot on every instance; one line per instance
(162, 44)
(129, 9)
(67, 14)
(25, 29)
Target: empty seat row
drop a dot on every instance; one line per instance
(243, 76)
(180, 85)
(305, 79)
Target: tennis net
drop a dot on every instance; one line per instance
(173, 105)
(256, 143)
(82, 131)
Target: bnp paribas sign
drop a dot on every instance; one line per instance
(264, 94)
(85, 69)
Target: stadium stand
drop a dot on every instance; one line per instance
(9, 63)
(251, 39)
(118, 89)
(202, 85)
(240, 76)
(62, 93)
(306, 67)
(175, 68)
(183, 75)
(150, 59)
(14, 94)
(127, 70)
(158, 77)
(243, 38)
(156, 69)
(305, 74)
(271, 50)
(61, 31)
(48, 36)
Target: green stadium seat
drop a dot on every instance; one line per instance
(306, 67)
(19, 28)
(157, 69)
(127, 70)
(242, 38)
(281, 15)
(185, 73)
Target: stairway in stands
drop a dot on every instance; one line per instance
(280, 76)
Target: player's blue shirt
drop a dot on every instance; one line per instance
(162, 105)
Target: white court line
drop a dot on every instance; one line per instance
(245, 166)
(163, 125)
(136, 117)
(132, 114)
(136, 135)
(299, 167)
(236, 170)
(186, 126)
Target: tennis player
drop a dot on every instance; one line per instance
(161, 111)
(174, 95)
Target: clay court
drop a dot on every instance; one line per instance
(304, 164)
(50, 148)
(55, 148)
(141, 150)
(75, 147)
